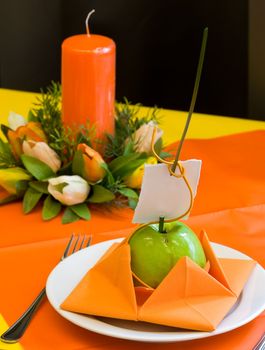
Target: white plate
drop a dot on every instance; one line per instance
(69, 272)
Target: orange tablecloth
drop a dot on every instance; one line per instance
(230, 205)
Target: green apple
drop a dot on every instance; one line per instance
(156, 248)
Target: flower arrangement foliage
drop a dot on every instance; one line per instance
(69, 169)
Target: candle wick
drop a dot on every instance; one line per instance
(87, 19)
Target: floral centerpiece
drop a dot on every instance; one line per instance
(42, 161)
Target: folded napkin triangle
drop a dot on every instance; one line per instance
(216, 269)
(107, 289)
(192, 303)
(237, 272)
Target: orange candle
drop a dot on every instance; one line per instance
(88, 81)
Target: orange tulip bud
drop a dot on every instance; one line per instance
(15, 143)
(93, 170)
(31, 132)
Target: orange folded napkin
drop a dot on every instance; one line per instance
(189, 296)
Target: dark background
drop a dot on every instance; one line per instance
(158, 45)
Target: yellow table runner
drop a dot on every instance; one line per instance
(5, 346)
(202, 125)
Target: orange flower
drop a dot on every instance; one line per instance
(93, 170)
(31, 131)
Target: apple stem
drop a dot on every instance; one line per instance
(161, 224)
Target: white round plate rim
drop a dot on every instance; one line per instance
(69, 272)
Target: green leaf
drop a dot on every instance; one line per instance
(7, 159)
(109, 177)
(164, 155)
(128, 149)
(8, 199)
(30, 200)
(66, 169)
(51, 208)
(4, 146)
(158, 145)
(100, 195)
(120, 161)
(132, 203)
(78, 163)
(37, 168)
(5, 130)
(124, 165)
(131, 167)
(69, 216)
(59, 187)
(21, 187)
(31, 116)
(39, 186)
(128, 192)
(81, 210)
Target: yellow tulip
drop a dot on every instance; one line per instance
(9, 180)
(135, 179)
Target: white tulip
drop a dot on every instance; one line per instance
(69, 190)
(15, 120)
(143, 137)
(43, 152)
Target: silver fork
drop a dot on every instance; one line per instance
(16, 331)
(261, 344)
